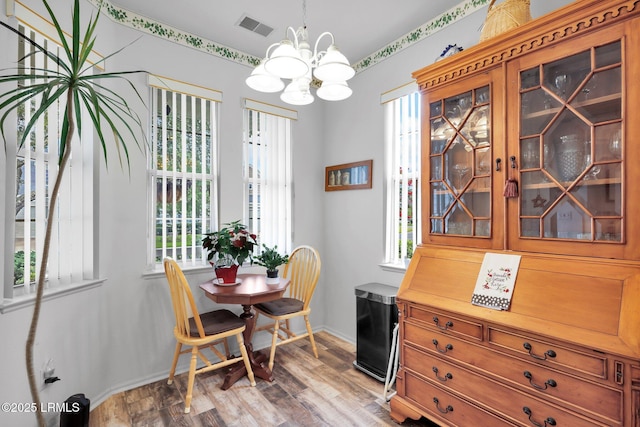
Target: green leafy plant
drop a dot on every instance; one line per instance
(271, 258)
(71, 83)
(18, 267)
(232, 244)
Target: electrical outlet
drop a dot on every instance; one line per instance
(48, 373)
(48, 369)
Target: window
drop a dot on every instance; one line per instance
(182, 169)
(267, 173)
(31, 173)
(402, 177)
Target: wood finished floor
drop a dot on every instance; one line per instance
(306, 391)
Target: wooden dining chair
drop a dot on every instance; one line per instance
(199, 331)
(303, 270)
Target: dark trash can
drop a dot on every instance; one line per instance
(377, 315)
(75, 412)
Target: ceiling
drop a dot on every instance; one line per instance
(360, 27)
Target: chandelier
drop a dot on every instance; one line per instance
(292, 59)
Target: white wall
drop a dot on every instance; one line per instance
(119, 335)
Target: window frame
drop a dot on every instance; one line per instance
(213, 99)
(397, 252)
(280, 172)
(79, 270)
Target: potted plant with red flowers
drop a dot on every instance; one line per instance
(228, 248)
(271, 259)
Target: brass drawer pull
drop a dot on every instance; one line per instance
(548, 353)
(549, 421)
(446, 347)
(549, 383)
(446, 377)
(449, 408)
(446, 326)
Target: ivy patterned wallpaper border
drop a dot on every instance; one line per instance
(445, 19)
(144, 24)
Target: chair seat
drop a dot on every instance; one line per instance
(215, 322)
(281, 306)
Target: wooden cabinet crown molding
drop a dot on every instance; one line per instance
(575, 19)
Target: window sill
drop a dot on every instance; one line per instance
(24, 301)
(394, 268)
(159, 270)
(199, 269)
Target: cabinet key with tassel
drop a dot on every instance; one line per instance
(511, 186)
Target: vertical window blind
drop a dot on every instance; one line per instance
(267, 174)
(71, 254)
(183, 169)
(402, 176)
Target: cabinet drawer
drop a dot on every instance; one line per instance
(444, 322)
(490, 393)
(586, 397)
(446, 407)
(563, 358)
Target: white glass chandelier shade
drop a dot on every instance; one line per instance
(334, 91)
(262, 81)
(297, 93)
(293, 59)
(285, 61)
(334, 66)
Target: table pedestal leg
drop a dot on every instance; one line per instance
(257, 359)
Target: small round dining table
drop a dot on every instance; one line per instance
(250, 289)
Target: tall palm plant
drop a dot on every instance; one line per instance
(71, 84)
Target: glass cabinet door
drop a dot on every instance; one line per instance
(571, 148)
(460, 164)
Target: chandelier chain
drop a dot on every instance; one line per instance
(304, 13)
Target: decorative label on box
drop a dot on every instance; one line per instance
(496, 280)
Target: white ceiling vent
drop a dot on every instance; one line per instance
(254, 26)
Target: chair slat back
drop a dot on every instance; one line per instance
(184, 306)
(303, 270)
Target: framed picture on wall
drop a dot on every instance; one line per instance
(348, 176)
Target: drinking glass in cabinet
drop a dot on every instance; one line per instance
(615, 145)
(436, 168)
(562, 81)
(461, 170)
(483, 162)
(593, 170)
(479, 126)
(530, 153)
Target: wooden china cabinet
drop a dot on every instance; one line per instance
(529, 149)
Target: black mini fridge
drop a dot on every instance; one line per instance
(377, 315)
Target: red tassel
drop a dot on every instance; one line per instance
(511, 188)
